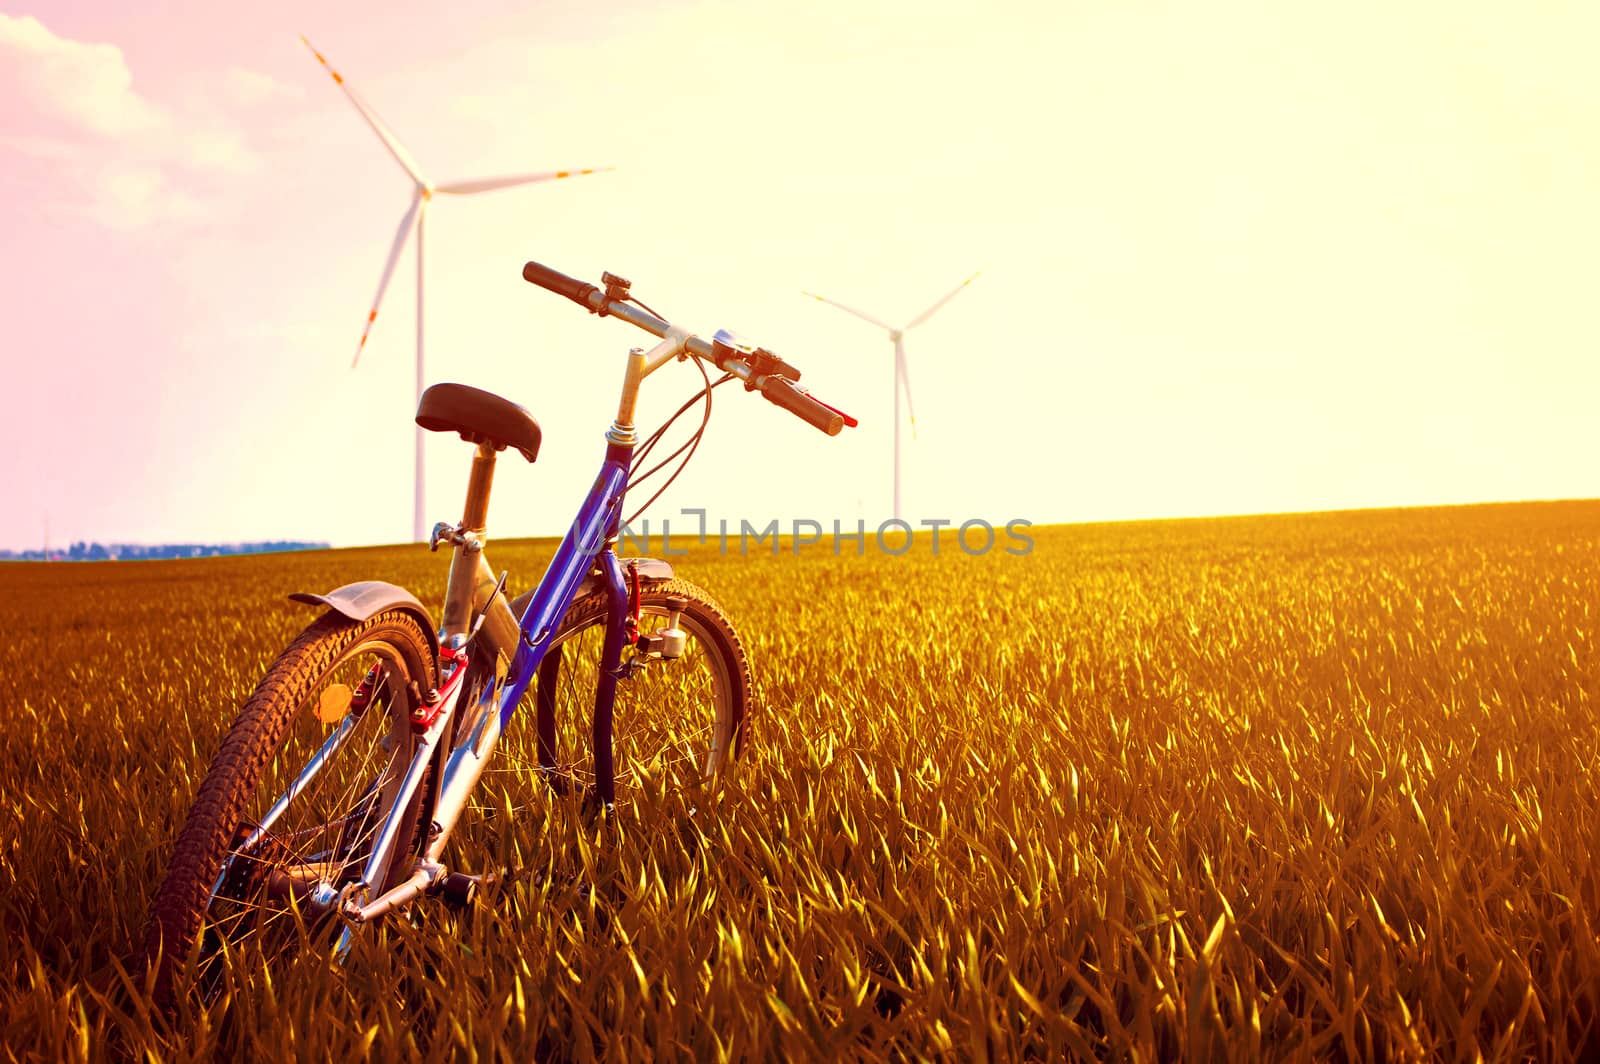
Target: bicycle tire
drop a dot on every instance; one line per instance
(683, 722)
(224, 890)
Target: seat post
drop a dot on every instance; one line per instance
(471, 580)
(475, 515)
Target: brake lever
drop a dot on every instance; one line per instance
(764, 363)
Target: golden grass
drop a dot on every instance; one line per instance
(1281, 787)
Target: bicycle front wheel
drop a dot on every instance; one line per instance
(288, 814)
(679, 721)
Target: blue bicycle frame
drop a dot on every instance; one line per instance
(598, 522)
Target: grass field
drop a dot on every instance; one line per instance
(1301, 786)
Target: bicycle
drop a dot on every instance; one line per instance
(335, 792)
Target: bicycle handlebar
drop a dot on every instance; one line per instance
(559, 283)
(777, 390)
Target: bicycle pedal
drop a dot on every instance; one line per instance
(459, 890)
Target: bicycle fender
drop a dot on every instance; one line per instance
(651, 571)
(367, 598)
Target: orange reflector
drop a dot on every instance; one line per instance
(334, 703)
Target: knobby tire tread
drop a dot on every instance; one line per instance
(235, 774)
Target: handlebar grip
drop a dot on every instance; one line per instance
(782, 393)
(559, 283)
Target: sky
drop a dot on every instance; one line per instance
(1236, 256)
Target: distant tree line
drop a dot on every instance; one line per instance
(107, 552)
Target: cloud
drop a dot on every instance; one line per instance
(109, 152)
(134, 196)
(248, 88)
(87, 87)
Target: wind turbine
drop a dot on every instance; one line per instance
(413, 221)
(902, 377)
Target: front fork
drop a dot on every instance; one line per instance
(605, 697)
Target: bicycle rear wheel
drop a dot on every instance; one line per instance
(288, 813)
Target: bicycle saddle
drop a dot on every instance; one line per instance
(479, 417)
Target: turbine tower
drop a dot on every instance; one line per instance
(413, 221)
(902, 377)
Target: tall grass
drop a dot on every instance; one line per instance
(1274, 787)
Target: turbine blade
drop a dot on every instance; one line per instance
(390, 141)
(925, 315)
(486, 184)
(407, 225)
(860, 314)
(905, 382)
